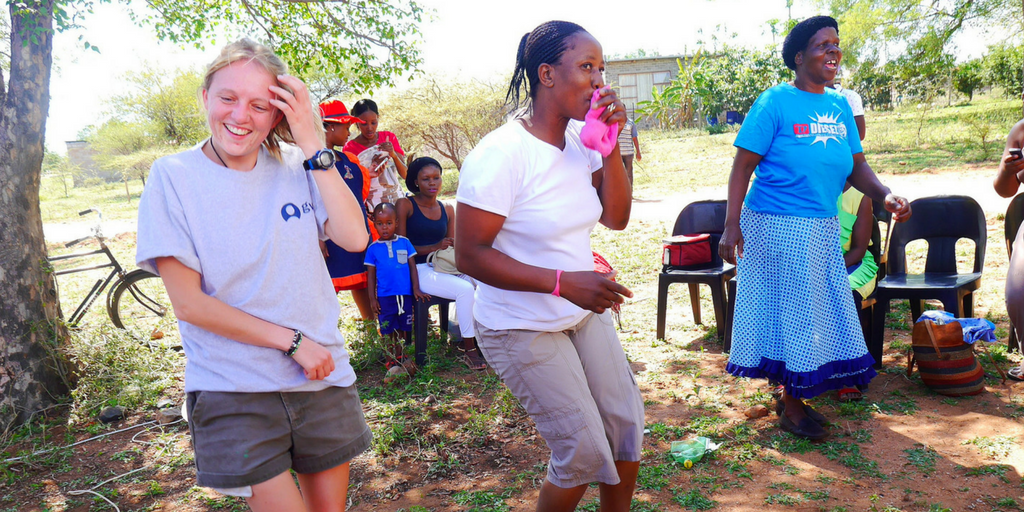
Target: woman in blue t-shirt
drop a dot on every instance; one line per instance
(795, 321)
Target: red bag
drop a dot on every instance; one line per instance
(686, 250)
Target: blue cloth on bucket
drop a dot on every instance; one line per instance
(974, 328)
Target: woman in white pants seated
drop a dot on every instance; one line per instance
(430, 225)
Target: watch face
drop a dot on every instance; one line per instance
(325, 158)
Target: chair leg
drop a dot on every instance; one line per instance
(968, 303)
(878, 331)
(718, 300)
(953, 303)
(421, 320)
(916, 308)
(865, 315)
(442, 311)
(695, 302)
(730, 311)
(662, 307)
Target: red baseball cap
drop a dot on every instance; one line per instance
(335, 112)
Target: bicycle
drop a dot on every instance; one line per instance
(137, 301)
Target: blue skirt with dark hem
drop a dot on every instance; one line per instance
(795, 321)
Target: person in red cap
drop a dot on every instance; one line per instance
(346, 268)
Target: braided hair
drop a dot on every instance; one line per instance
(414, 171)
(798, 38)
(544, 45)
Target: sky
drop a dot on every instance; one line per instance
(465, 38)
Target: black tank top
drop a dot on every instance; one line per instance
(422, 231)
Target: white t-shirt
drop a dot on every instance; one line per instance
(854, 99)
(252, 238)
(550, 207)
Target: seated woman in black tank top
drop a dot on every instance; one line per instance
(430, 225)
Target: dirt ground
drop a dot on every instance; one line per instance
(457, 443)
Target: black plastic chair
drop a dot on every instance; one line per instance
(421, 322)
(698, 217)
(1011, 223)
(865, 310)
(941, 221)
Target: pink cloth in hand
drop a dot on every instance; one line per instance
(595, 134)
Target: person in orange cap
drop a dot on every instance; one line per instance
(346, 268)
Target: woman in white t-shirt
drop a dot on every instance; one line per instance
(529, 196)
(230, 225)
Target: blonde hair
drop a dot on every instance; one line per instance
(248, 50)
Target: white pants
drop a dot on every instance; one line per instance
(459, 288)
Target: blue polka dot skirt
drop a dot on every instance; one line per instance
(795, 321)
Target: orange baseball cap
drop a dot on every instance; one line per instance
(335, 112)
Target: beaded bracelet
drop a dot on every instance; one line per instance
(296, 341)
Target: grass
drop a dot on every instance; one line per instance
(473, 430)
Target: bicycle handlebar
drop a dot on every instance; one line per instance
(73, 242)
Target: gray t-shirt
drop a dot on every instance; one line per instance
(252, 236)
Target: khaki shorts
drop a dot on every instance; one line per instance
(242, 439)
(579, 390)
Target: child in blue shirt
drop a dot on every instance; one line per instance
(391, 275)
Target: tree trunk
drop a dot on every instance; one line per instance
(33, 374)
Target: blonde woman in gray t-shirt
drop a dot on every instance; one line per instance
(230, 226)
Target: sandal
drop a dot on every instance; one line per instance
(850, 395)
(473, 359)
(807, 428)
(1016, 373)
(780, 411)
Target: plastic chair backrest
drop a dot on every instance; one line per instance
(703, 217)
(881, 214)
(1012, 221)
(941, 221)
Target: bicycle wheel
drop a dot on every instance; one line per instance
(139, 305)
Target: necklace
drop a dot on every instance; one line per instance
(214, 148)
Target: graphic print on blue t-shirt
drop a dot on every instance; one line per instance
(823, 128)
(807, 142)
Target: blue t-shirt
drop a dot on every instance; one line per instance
(391, 258)
(807, 142)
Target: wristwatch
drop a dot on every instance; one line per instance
(322, 160)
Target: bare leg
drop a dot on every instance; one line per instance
(278, 493)
(556, 499)
(362, 300)
(618, 497)
(1015, 286)
(475, 360)
(326, 491)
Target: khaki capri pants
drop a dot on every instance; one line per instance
(580, 391)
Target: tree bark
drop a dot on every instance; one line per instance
(33, 374)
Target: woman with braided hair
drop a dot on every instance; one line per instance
(529, 195)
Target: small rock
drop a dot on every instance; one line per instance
(396, 374)
(429, 399)
(757, 411)
(169, 415)
(164, 403)
(111, 414)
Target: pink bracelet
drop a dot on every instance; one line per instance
(558, 283)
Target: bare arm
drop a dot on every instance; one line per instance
(1007, 181)
(731, 245)
(861, 235)
(865, 180)
(611, 182)
(371, 288)
(194, 306)
(415, 277)
(475, 255)
(861, 126)
(307, 130)
(636, 149)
